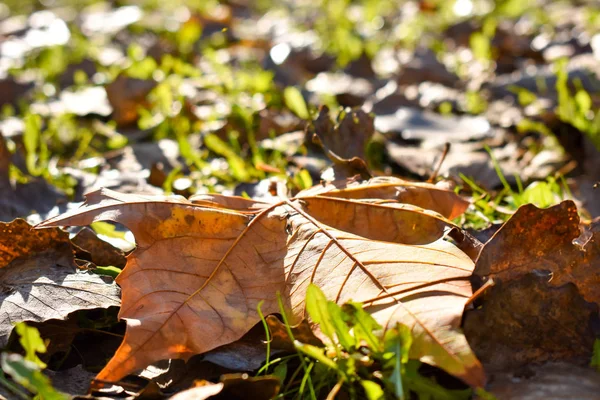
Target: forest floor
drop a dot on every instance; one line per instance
(457, 142)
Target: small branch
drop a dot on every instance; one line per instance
(436, 171)
(480, 291)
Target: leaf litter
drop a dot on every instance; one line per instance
(40, 279)
(172, 96)
(288, 248)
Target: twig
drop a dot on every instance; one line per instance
(436, 171)
(480, 291)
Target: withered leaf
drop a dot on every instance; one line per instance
(536, 239)
(125, 96)
(198, 273)
(347, 137)
(101, 253)
(527, 320)
(39, 279)
(424, 195)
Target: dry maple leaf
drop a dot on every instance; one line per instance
(198, 272)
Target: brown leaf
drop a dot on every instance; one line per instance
(126, 95)
(237, 203)
(424, 195)
(528, 320)
(536, 239)
(39, 278)
(394, 222)
(102, 253)
(348, 137)
(19, 239)
(198, 273)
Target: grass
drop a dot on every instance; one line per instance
(496, 207)
(356, 359)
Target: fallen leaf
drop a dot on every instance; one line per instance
(102, 253)
(249, 352)
(125, 96)
(181, 374)
(527, 320)
(347, 137)
(424, 66)
(40, 280)
(536, 239)
(237, 203)
(195, 279)
(280, 338)
(425, 195)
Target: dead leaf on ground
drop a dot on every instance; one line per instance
(347, 137)
(58, 335)
(280, 338)
(425, 66)
(181, 374)
(546, 281)
(527, 320)
(245, 354)
(125, 96)
(249, 352)
(425, 195)
(195, 279)
(39, 278)
(536, 239)
(101, 253)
